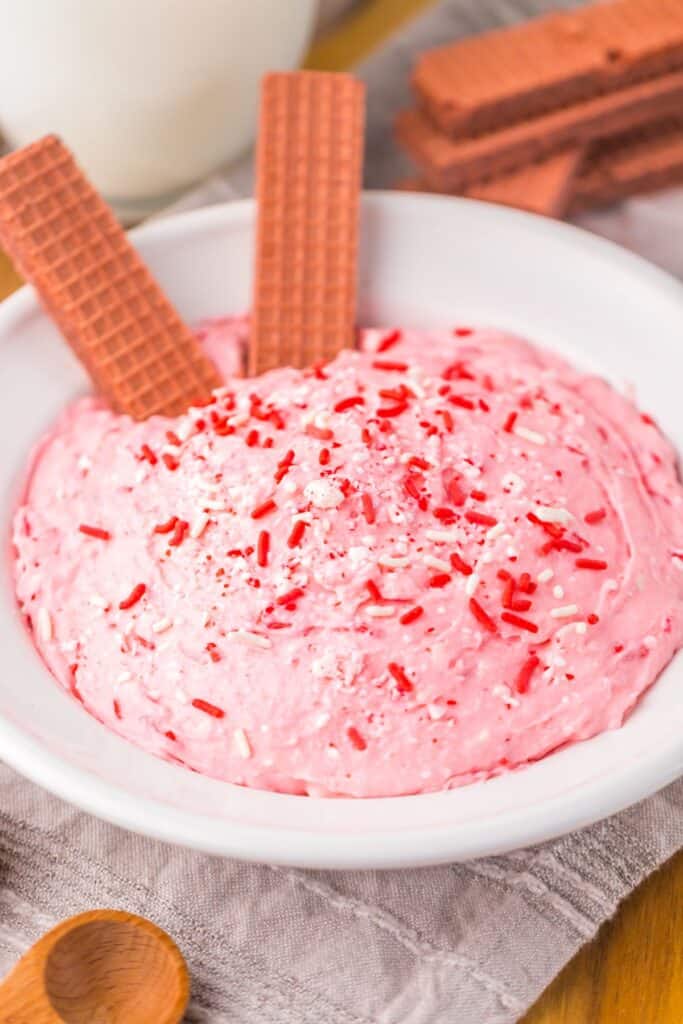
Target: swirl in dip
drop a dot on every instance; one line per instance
(423, 564)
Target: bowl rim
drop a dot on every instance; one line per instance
(572, 809)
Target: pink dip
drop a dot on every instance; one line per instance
(423, 565)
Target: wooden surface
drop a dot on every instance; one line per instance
(633, 972)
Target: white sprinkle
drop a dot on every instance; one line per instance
(171, 449)
(393, 562)
(289, 486)
(161, 626)
(650, 642)
(181, 696)
(511, 552)
(564, 611)
(440, 564)
(558, 592)
(44, 625)
(239, 419)
(199, 525)
(545, 575)
(124, 677)
(552, 515)
(513, 483)
(242, 744)
(321, 420)
(380, 611)
(529, 435)
(581, 628)
(435, 712)
(323, 494)
(442, 536)
(396, 515)
(97, 601)
(243, 636)
(332, 752)
(471, 583)
(140, 475)
(214, 506)
(185, 430)
(496, 531)
(487, 557)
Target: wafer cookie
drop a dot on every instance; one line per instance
(309, 167)
(449, 165)
(484, 82)
(630, 164)
(65, 240)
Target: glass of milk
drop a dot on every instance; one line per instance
(152, 95)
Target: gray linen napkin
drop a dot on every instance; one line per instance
(466, 943)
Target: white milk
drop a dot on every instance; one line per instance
(151, 94)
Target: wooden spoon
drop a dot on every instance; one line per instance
(101, 967)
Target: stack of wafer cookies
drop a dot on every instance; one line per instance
(568, 111)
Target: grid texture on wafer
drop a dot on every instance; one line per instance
(478, 84)
(448, 165)
(309, 170)
(65, 240)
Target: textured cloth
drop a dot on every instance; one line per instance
(469, 944)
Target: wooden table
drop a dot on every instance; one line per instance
(633, 972)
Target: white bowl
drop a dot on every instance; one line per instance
(425, 261)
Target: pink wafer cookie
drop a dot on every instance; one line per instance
(309, 175)
(65, 240)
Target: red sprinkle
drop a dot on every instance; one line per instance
(355, 737)
(517, 620)
(525, 673)
(403, 684)
(167, 526)
(173, 439)
(368, 508)
(373, 590)
(387, 364)
(262, 548)
(324, 456)
(592, 619)
(179, 531)
(95, 531)
(393, 410)
(510, 422)
(297, 533)
(117, 709)
(213, 652)
(590, 563)
(389, 340)
(147, 453)
(462, 402)
(462, 332)
(460, 565)
(508, 591)
(290, 596)
(170, 735)
(349, 403)
(445, 515)
(455, 492)
(595, 517)
(441, 579)
(411, 615)
(478, 495)
(447, 419)
(481, 616)
(170, 461)
(283, 466)
(209, 709)
(525, 583)
(472, 516)
(251, 440)
(412, 485)
(519, 604)
(263, 509)
(134, 596)
(418, 463)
